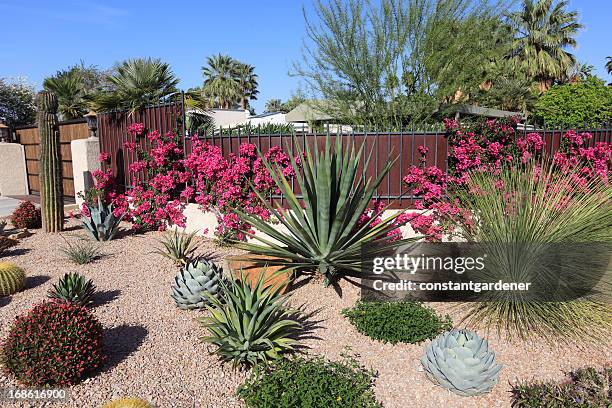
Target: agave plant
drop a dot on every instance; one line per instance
(462, 362)
(102, 224)
(325, 235)
(197, 281)
(74, 288)
(252, 325)
(178, 246)
(538, 225)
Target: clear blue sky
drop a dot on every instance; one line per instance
(41, 37)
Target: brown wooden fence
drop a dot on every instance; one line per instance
(30, 139)
(385, 146)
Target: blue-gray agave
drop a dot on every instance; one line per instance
(462, 362)
(101, 224)
(193, 282)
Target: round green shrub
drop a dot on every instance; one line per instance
(26, 215)
(397, 322)
(309, 383)
(55, 343)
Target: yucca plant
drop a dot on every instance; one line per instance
(74, 288)
(325, 235)
(541, 225)
(81, 252)
(178, 246)
(251, 324)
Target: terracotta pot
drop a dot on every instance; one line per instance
(253, 266)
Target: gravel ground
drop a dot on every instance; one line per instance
(155, 352)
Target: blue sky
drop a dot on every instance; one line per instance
(41, 37)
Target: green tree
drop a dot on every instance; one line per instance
(69, 87)
(373, 62)
(588, 100)
(220, 83)
(136, 83)
(273, 105)
(609, 65)
(544, 31)
(17, 102)
(247, 83)
(295, 100)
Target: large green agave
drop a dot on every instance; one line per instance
(102, 224)
(324, 235)
(252, 324)
(462, 362)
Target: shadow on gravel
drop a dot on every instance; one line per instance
(121, 341)
(309, 325)
(34, 281)
(5, 300)
(105, 296)
(16, 252)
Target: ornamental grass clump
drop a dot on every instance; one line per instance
(325, 234)
(55, 343)
(310, 382)
(251, 324)
(397, 322)
(81, 252)
(550, 228)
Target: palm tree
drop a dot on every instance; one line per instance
(69, 86)
(544, 30)
(137, 83)
(220, 80)
(273, 105)
(609, 65)
(247, 83)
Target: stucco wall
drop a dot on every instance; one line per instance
(85, 159)
(13, 176)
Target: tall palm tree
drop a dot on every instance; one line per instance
(69, 86)
(247, 83)
(137, 83)
(220, 80)
(609, 65)
(544, 31)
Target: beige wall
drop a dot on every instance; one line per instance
(13, 177)
(85, 159)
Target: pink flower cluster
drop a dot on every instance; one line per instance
(485, 146)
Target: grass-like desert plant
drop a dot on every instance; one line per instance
(397, 322)
(251, 324)
(325, 235)
(551, 228)
(81, 251)
(178, 246)
(74, 288)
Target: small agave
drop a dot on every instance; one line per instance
(74, 288)
(462, 362)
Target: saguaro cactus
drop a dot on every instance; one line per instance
(51, 186)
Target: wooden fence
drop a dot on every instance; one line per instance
(29, 137)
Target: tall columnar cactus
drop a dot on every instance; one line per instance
(51, 188)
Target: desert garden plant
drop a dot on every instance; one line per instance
(586, 387)
(523, 216)
(462, 362)
(178, 246)
(324, 234)
(55, 343)
(81, 252)
(197, 282)
(101, 223)
(26, 215)
(6, 243)
(397, 322)
(12, 278)
(252, 324)
(74, 288)
(309, 382)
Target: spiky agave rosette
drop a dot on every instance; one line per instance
(195, 279)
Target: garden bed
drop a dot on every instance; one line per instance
(155, 351)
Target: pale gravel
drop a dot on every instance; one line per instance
(156, 353)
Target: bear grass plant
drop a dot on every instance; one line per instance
(585, 388)
(81, 251)
(310, 383)
(397, 322)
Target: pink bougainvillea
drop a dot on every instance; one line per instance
(485, 146)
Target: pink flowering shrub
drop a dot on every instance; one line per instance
(486, 146)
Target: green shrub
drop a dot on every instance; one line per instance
(397, 322)
(586, 388)
(572, 104)
(26, 215)
(309, 383)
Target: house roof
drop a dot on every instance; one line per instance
(306, 112)
(265, 114)
(488, 112)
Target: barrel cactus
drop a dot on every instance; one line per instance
(462, 362)
(194, 280)
(51, 182)
(128, 403)
(12, 278)
(101, 223)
